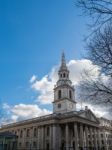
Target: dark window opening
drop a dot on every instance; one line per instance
(59, 105)
(70, 94)
(20, 144)
(59, 94)
(27, 144)
(47, 146)
(64, 75)
(21, 133)
(35, 132)
(28, 133)
(47, 131)
(74, 145)
(34, 144)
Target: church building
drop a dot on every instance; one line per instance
(66, 128)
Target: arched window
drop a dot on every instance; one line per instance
(59, 94)
(64, 75)
(70, 94)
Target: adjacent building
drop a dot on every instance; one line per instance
(66, 128)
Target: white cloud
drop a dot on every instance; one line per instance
(22, 111)
(96, 109)
(45, 86)
(77, 67)
(33, 78)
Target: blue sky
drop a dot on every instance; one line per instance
(33, 34)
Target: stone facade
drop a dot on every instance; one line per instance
(66, 128)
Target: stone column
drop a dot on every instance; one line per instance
(105, 142)
(51, 137)
(54, 137)
(99, 139)
(59, 136)
(86, 134)
(91, 136)
(95, 139)
(76, 136)
(67, 136)
(38, 135)
(24, 137)
(42, 137)
(81, 136)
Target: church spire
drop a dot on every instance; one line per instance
(63, 70)
(63, 63)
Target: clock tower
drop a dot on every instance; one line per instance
(64, 92)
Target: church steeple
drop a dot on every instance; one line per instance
(63, 70)
(64, 99)
(63, 62)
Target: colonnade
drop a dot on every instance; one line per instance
(64, 136)
(84, 136)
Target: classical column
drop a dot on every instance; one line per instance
(42, 137)
(95, 139)
(99, 139)
(51, 136)
(38, 135)
(105, 142)
(91, 136)
(24, 137)
(54, 137)
(86, 134)
(81, 136)
(76, 136)
(67, 136)
(59, 136)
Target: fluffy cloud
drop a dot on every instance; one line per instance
(22, 111)
(98, 110)
(45, 86)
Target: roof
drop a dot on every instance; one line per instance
(84, 114)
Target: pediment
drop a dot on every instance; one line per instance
(88, 114)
